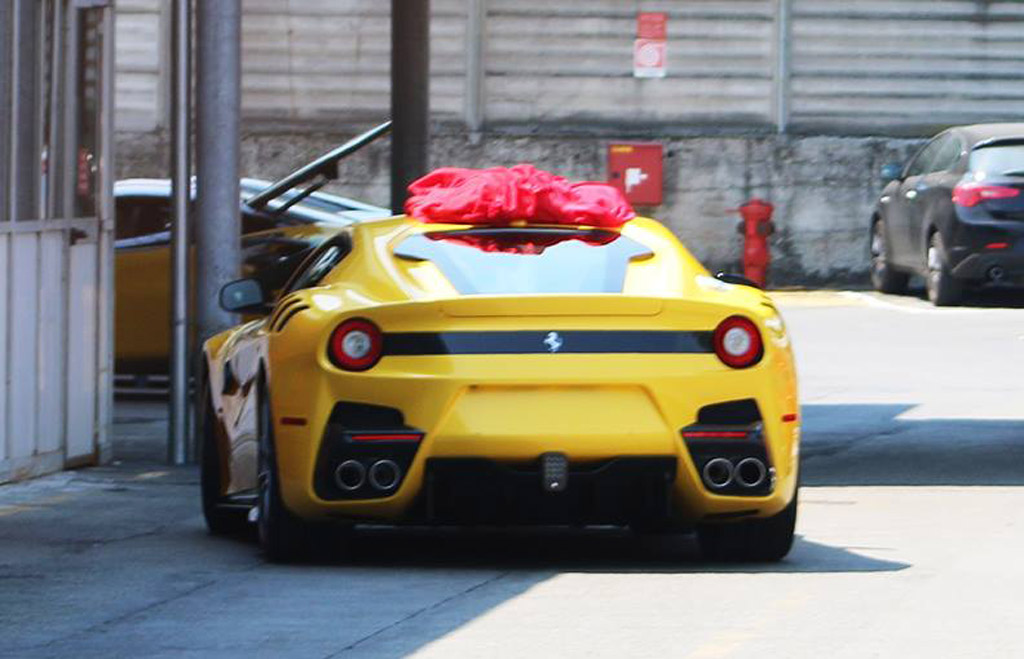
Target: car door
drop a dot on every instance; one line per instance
(933, 201)
(243, 361)
(142, 283)
(904, 205)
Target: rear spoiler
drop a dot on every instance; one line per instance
(320, 171)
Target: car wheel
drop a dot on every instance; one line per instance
(884, 277)
(943, 289)
(220, 520)
(283, 536)
(756, 540)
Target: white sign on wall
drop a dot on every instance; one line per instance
(649, 58)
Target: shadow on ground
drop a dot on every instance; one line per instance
(580, 550)
(869, 444)
(984, 298)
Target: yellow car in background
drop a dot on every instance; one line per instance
(443, 374)
(279, 229)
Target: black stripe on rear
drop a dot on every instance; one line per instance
(529, 342)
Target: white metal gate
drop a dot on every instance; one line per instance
(56, 227)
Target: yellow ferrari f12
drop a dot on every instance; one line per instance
(454, 374)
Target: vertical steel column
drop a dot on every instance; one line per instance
(55, 137)
(410, 95)
(105, 209)
(6, 160)
(780, 109)
(69, 122)
(476, 36)
(181, 190)
(218, 105)
(25, 129)
(6, 72)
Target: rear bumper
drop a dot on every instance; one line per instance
(479, 463)
(506, 411)
(970, 255)
(978, 265)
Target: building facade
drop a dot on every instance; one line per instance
(796, 101)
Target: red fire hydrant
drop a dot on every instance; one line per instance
(756, 227)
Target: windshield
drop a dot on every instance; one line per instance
(509, 261)
(1001, 159)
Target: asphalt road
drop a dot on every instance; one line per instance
(909, 542)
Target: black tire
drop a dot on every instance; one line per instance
(943, 289)
(755, 540)
(283, 536)
(220, 520)
(884, 277)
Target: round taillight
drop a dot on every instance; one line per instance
(738, 342)
(355, 345)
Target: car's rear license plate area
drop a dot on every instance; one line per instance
(475, 491)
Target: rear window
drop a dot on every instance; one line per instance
(509, 261)
(1002, 159)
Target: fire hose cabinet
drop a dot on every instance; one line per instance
(635, 168)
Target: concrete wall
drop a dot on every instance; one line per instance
(850, 84)
(823, 187)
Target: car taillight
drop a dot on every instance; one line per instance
(355, 345)
(737, 342)
(972, 194)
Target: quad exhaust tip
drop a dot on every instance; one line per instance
(350, 475)
(718, 472)
(385, 474)
(750, 472)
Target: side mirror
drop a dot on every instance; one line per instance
(243, 296)
(892, 171)
(730, 278)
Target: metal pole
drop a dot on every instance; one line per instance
(476, 34)
(181, 190)
(69, 162)
(410, 102)
(25, 129)
(55, 147)
(781, 86)
(218, 102)
(6, 71)
(105, 208)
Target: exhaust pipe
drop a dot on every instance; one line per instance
(717, 473)
(385, 474)
(350, 475)
(751, 472)
(996, 273)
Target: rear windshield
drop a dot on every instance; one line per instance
(1002, 159)
(505, 261)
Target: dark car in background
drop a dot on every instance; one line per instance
(954, 214)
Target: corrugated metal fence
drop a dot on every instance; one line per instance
(882, 63)
(827, 65)
(56, 229)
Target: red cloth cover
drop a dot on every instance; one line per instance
(501, 195)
